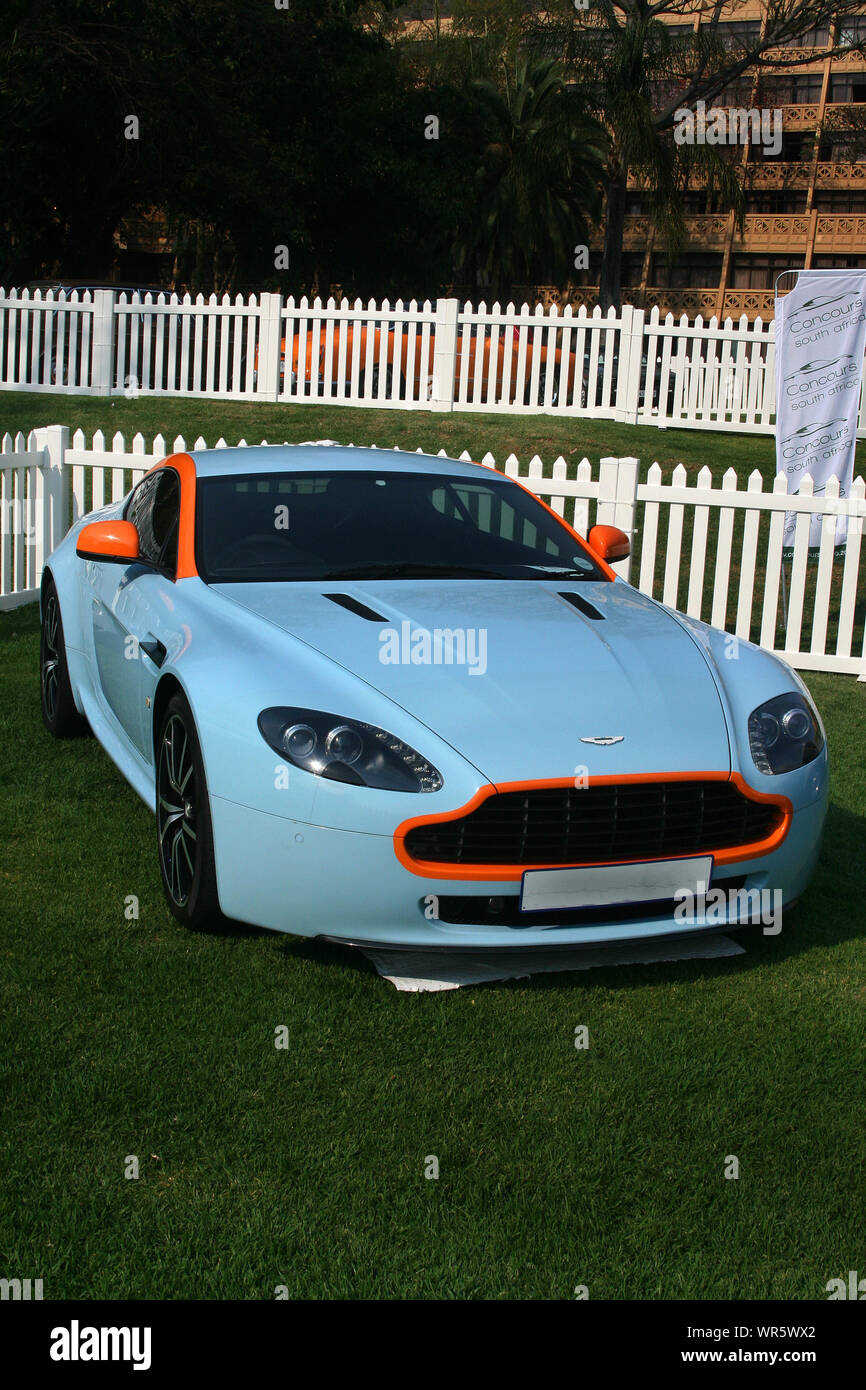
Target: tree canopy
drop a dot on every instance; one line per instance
(257, 128)
(382, 165)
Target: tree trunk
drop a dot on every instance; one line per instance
(610, 279)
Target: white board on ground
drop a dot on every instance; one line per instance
(418, 971)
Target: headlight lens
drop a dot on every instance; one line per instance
(346, 750)
(784, 734)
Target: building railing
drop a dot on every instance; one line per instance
(838, 231)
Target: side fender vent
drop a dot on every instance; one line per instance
(584, 607)
(353, 605)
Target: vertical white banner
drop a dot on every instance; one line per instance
(820, 340)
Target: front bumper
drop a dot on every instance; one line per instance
(308, 880)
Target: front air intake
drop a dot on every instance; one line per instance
(602, 823)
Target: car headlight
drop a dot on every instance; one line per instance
(784, 734)
(346, 750)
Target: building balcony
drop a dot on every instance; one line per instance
(773, 232)
(812, 59)
(704, 232)
(704, 301)
(841, 175)
(806, 115)
(776, 174)
(838, 115)
(770, 174)
(753, 303)
(801, 117)
(840, 233)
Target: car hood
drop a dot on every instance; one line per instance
(530, 676)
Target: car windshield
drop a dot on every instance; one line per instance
(345, 524)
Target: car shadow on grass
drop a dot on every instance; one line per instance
(311, 948)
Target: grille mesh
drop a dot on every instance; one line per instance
(598, 824)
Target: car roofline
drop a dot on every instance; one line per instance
(302, 458)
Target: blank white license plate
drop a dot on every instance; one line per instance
(609, 885)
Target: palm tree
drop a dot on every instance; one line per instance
(539, 181)
(625, 71)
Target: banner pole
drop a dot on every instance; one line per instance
(817, 371)
(781, 276)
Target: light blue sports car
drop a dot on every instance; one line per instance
(388, 698)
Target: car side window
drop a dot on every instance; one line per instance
(154, 511)
(141, 500)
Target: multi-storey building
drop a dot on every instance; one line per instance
(805, 205)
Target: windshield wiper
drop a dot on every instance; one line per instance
(410, 569)
(557, 571)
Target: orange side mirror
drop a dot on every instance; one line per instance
(609, 542)
(110, 541)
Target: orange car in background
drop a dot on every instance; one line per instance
(409, 368)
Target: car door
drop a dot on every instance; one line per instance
(133, 608)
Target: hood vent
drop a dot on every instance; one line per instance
(353, 605)
(583, 606)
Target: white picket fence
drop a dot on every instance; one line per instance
(625, 365)
(714, 552)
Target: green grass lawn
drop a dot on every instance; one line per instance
(523, 435)
(305, 1167)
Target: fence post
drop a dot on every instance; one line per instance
(629, 368)
(617, 498)
(268, 383)
(54, 439)
(444, 354)
(102, 371)
(623, 363)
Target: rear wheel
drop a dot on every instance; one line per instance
(554, 393)
(59, 714)
(389, 382)
(183, 823)
(539, 394)
(50, 370)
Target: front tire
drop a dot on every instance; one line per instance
(183, 822)
(59, 714)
